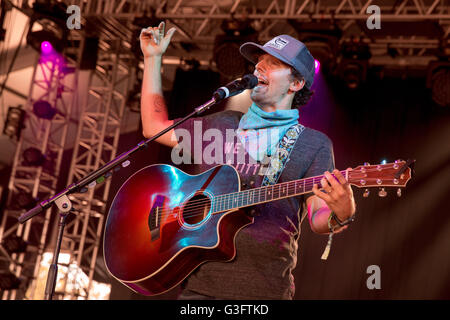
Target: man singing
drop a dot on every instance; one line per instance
(266, 251)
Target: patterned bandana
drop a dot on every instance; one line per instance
(260, 131)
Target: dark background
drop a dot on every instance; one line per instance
(408, 238)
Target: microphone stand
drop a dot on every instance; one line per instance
(65, 206)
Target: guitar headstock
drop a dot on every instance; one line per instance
(395, 174)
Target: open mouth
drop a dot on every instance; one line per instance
(262, 82)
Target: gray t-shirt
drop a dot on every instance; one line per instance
(267, 249)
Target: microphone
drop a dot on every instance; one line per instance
(249, 81)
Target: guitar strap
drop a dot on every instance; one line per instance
(279, 159)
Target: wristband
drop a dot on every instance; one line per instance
(332, 215)
(326, 252)
(342, 223)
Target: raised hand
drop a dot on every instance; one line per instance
(154, 42)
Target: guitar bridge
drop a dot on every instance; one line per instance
(154, 217)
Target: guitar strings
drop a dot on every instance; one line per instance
(192, 210)
(290, 184)
(240, 195)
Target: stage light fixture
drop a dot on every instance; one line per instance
(52, 16)
(322, 41)
(322, 51)
(8, 281)
(46, 47)
(353, 73)
(22, 200)
(33, 157)
(316, 66)
(438, 80)
(14, 244)
(44, 110)
(356, 49)
(354, 63)
(14, 122)
(440, 90)
(229, 62)
(56, 39)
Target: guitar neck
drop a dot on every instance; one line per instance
(265, 194)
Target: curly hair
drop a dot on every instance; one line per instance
(302, 96)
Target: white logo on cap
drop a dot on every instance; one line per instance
(277, 43)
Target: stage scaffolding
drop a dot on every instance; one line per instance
(54, 81)
(199, 22)
(99, 116)
(96, 144)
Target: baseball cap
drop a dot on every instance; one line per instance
(287, 49)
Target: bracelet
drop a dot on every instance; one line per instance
(342, 223)
(330, 226)
(332, 215)
(326, 252)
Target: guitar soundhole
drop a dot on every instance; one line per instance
(196, 209)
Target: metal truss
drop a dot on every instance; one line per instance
(199, 21)
(267, 9)
(96, 144)
(426, 23)
(55, 82)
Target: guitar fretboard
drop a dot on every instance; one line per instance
(264, 194)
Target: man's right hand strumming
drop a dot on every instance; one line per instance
(153, 107)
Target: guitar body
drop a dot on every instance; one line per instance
(160, 226)
(164, 223)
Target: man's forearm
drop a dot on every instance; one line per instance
(153, 106)
(318, 219)
(318, 214)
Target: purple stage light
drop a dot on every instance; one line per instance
(46, 47)
(317, 65)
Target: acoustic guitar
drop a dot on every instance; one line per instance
(163, 223)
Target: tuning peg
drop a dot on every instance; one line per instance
(366, 193)
(399, 192)
(382, 193)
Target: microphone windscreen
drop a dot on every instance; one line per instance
(249, 81)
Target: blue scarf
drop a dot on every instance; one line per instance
(260, 131)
